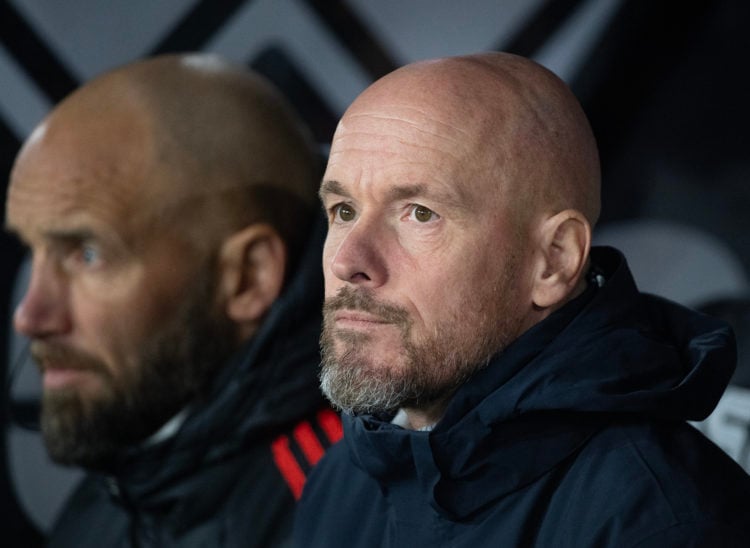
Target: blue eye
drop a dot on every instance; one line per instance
(90, 254)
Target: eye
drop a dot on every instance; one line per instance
(422, 214)
(344, 212)
(90, 254)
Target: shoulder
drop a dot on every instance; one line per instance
(337, 487)
(649, 480)
(298, 450)
(268, 483)
(334, 471)
(89, 518)
(703, 532)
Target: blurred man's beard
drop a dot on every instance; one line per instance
(172, 368)
(355, 379)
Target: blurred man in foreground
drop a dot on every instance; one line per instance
(173, 305)
(502, 385)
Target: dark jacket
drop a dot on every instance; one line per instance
(231, 474)
(574, 436)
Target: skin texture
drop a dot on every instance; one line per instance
(461, 194)
(153, 257)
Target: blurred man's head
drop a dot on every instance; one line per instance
(162, 203)
(461, 194)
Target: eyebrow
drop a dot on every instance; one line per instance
(403, 192)
(456, 200)
(74, 235)
(54, 234)
(332, 187)
(400, 192)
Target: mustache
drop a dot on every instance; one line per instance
(362, 299)
(54, 355)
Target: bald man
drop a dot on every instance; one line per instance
(502, 385)
(173, 305)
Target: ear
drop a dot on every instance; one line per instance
(252, 263)
(564, 250)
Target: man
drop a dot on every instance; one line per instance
(502, 386)
(173, 304)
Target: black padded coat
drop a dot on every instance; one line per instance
(574, 436)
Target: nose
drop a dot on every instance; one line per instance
(43, 310)
(358, 257)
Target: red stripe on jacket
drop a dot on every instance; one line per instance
(312, 448)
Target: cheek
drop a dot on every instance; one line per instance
(329, 249)
(110, 284)
(108, 332)
(115, 322)
(448, 289)
(436, 290)
(111, 317)
(331, 282)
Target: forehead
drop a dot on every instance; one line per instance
(402, 128)
(378, 145)
(73, 174)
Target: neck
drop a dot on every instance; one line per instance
(424, 418)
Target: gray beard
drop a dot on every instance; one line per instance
(355, 381)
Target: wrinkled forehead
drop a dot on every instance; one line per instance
(400, 145)
(404, 130)
(389, 125)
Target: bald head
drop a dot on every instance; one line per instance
(184, 137)
(221, 120)
(209, 115)
(516, 122)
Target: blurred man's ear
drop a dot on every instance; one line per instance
(252, 266)
(564, 245)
